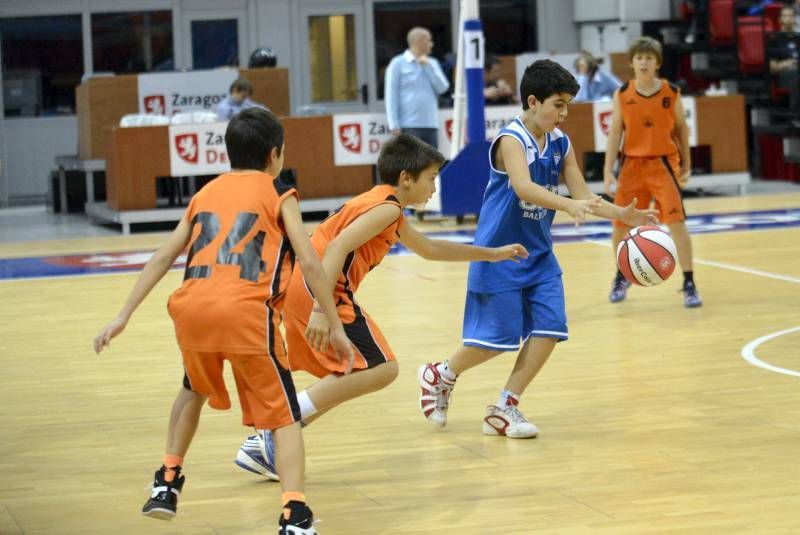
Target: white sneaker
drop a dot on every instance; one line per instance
(509, 422)
(435, 396)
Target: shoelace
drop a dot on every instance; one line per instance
(443, 398)
(443, 392)
(515, 414)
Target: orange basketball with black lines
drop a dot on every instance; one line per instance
(647, 256)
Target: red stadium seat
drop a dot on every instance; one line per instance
(772, 15)
(750, 44)
(720, 22)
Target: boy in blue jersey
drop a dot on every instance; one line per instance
(508, 302)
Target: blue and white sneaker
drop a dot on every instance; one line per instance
(257, 455)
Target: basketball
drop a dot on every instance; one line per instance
(646, 256)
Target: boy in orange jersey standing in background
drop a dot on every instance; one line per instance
(244, 229)
(656, 162)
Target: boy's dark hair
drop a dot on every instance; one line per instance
(250, 137)
(645, 45)
(544, 78)
(240, 84)
(405, 153)
(490, 62)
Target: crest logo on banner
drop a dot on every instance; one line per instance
(350, 136)
(187, 147)
(155, 104)
(448, 128)
(605, 122)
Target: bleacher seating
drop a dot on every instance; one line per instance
(750, 44)
(720, 22)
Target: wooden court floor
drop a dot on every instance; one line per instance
(651, 421)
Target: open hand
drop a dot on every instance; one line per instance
(343, 347)
(684, 178)
(318, 330)
(108, 332)
(636, 218)
(514, 252)
(609, 182)
(580, 209)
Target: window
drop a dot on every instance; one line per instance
(394, 19)
(509, 26)
(215, 43)
(42, 64)
(332, 46)
(132, 42)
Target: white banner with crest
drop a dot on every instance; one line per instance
(167, 93)
(198, 149)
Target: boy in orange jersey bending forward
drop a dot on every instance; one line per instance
(244, 229)
(353, 241)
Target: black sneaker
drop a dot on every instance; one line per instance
(163, 502)
(619, 289)
(691, 299)
(300, 522)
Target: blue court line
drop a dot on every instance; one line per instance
(132, 261)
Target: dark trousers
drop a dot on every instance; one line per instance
(428, 135)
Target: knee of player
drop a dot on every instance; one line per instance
(191, 395)
(389, 372)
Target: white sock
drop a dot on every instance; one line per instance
(445, 371)
(505, 396)
(307, 407)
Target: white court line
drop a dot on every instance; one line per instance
(732, 267)
(748, 353)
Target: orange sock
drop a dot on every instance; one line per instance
(287, 497)
(170, 463)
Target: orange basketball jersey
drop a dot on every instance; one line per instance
(370, 254)
(648, 121)
(237, 269)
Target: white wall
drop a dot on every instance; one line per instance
(556, 26)
(31, 147)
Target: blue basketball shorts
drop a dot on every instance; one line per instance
(498, 321)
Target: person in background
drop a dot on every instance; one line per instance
(788, 19)
(595, 84)
(496, 91)
(783, 57)
(238, 99)
(413, 82)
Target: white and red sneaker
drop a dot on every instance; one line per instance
(435, 396)
(508, 421)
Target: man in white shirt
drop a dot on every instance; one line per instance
(412, 84)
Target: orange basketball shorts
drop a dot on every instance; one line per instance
(370, 346)
(266, 391)
(646, 179)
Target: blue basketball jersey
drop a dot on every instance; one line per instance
(505, 218)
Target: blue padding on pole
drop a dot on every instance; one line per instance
(472, 24)
(476, 120)
(464, 180)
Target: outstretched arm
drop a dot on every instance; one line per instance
(511, 156)
(152, 272)
(578, 189)
(682, 135)
(351, 238)
(457, 252)
(315, 277)
(612, 144)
